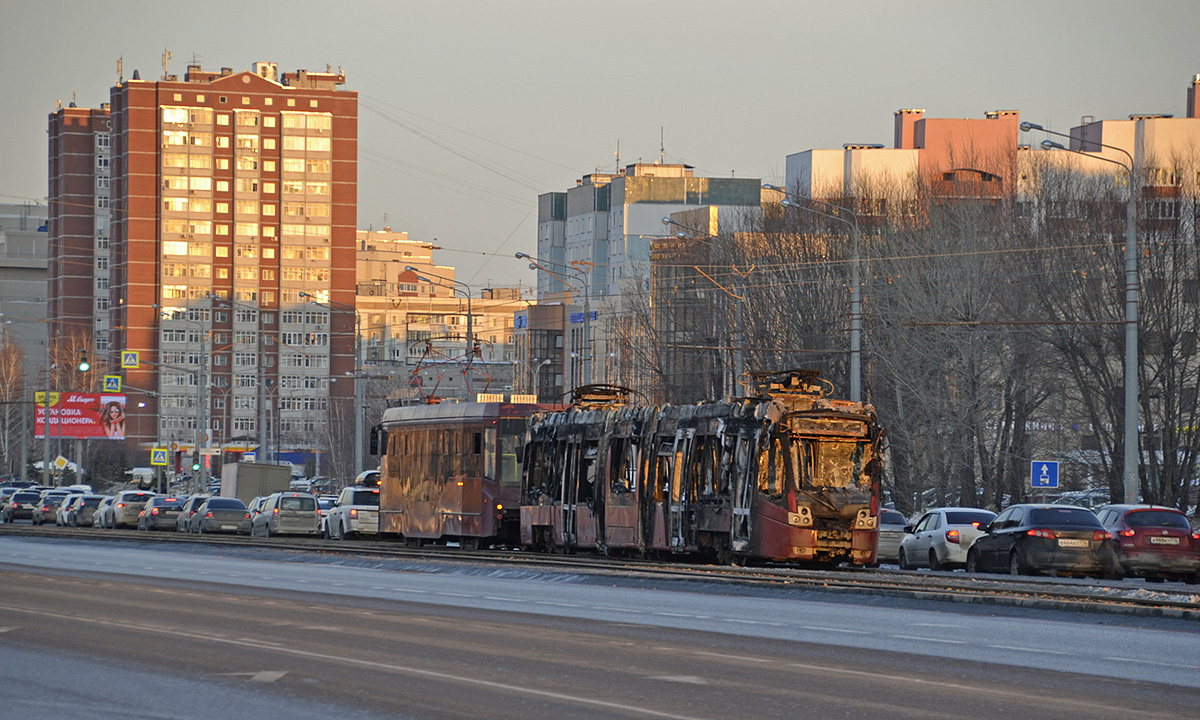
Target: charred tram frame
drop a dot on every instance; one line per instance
(786, 475)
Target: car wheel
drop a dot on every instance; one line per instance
(903, 560)
(933, 561)
(972, 561)
(1016, 565)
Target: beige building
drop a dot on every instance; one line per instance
(426, 331)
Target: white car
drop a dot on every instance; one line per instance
(355, 512)
(60, 514)
(941, 537)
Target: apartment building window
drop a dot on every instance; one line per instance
(101, 262)
(102, 283)
(245, 360)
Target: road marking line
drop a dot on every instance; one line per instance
(743, 658)
(450, 594)
(1032, 650)
(613, 609)
(502, 599)
(419, 592)
(689, 679)
(929, 639)
(837, 630)
(556, 604)
(1153, 662)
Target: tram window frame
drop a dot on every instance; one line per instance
(477, 443)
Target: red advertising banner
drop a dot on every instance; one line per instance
(81, 415)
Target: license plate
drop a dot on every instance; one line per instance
(229, 527)
(1160, 540)
(1072, 543)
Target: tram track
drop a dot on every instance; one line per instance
(1182, 602)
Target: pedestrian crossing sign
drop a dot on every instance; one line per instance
(158, 456)
(129, 359)
(112, 383)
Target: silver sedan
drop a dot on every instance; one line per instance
(940, 539)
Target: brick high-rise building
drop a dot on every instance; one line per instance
(232, 271)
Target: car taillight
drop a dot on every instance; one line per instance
(154, 511)
(1039, 532)
(952, 536)
(1126, 533)
(208, 514)
(247, 516)
(120, 505)
(275, 511)
(353, 512)
(1196, 535)
(1101, 535)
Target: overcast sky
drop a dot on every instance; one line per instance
(469, 110)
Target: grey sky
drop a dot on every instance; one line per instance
(469, 110)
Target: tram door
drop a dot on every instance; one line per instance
(744, 481)
(678, 502)
(570, 494)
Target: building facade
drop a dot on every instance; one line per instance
(228, 250)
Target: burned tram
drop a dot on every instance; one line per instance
(788, 475)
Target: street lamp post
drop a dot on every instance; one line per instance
(537, 375)
(1130, 470)
(836, 212)
(536, 264)
(433, 280)
(358, 376)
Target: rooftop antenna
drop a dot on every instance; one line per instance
(195, 58)
(618, 154)
(166, 60)
(662, 151)
(120, 70)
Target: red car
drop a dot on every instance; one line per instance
(1153, 542)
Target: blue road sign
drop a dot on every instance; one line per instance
(158, 456)
(112, 383)
(1044, 473)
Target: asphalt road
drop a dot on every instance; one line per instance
(128, 630)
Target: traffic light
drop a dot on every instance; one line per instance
(196, 465)
(84, 366)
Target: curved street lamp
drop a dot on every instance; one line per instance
(836, 212)
(434, 280)
(1130, 469)
(536, 264)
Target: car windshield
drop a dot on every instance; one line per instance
(969, 517)
(297, 503)
(325, 503)
(26, 497)
(366, 497)
(1064, 517)
(1157, 518)
(891, 517)
(92, 501)
(226, 504)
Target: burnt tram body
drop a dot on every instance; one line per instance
(787, 475)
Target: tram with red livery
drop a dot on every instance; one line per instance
(451, 471)
(787, 475)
